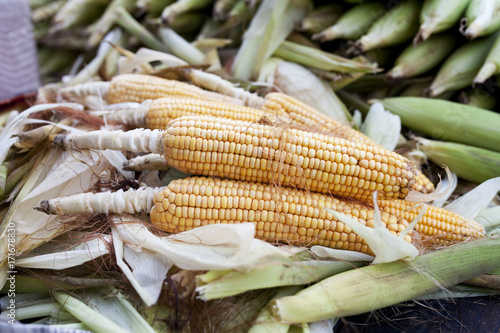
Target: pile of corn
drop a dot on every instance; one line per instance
(183, 134)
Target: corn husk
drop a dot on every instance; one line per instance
(460, 68)
(270, 26)
(491, 65)
(470, 163)
(439, 15)
(396, 26)
(376, 286)
(452, 121)
(416, 60)
(353, 24)
(320, 18)
(482, 18)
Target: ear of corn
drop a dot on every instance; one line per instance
(265, 153)
(491, 65)
(460, 68)
(284, 214)
(315, 58)
(138, 88)
(483, 18)
(373, 286)
(455, 122)
(470, 163)
(416, 60)
(423, 184)
(438, 226)
(439, 15)
(353, 24)
(396, 26)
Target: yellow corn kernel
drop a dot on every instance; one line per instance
(422, 184)
(279, 214)
(240, 150)
(140, 87)
(438, 226)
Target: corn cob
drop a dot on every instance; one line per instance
(438, 226)
(422, 183)
(138, 88)
(265, 153)
(159, 112)
(279, 214)
(240, 150)
(284, 214)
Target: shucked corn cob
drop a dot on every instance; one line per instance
(265, 153)
(140, 87)
(158, 113)
(312, 119)
(438, 225)
(279, 214)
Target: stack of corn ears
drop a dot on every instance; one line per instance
(262, 196)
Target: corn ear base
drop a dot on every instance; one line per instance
(454, 121)
(491, 65)
(321, 18)
(376, 286)
(470, 163)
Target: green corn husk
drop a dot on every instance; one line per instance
(483, 18)
(447, 120)
(353, 24)
(468, 162)
(416, 60)
(79, 12)
(396, 26)
(377, 286)
(353, 102)
(270, 26)
(491, 65)
(187, 22)
(416, 89)
(460, 68)
(217, 284)
(439, 15)
(46, 12)
(321, 18)
(315, 58)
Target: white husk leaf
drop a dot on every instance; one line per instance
(386, 246)
(382, 126)
(140, 62)
(211, 247)
(299, 82)
(443, 190)
(146, 270)
(451, 185)
(272, 23)
(490, 218)
(326, 252)
(102, 52)
(475, 201)
(323, 326)
(86, 251)
(357, 118)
